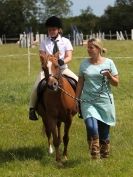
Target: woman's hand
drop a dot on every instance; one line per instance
(107, 73)
(114, 80)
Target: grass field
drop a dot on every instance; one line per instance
(23, 149)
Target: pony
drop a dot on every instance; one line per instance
(56, 105)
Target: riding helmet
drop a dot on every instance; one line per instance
(53, 22)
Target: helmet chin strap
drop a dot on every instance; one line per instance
(54, 37)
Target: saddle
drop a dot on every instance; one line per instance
(72, 82)
(41, 88)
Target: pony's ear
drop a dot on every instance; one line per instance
(56, 55)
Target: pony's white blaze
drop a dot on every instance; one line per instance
(49, 65)
(51, 150)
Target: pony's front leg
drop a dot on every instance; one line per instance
(56, 142)
(48, 133)
(51, 126)
(59, 131)
(50, 148)
(66, 137)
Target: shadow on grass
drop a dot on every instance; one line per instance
(72, 163)
(33, 153)
(22, 154)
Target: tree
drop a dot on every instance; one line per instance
(17, 15)
(59, 8)
(87, 21)
(87, 11)
(118, 17)
(123, 2)
(120, 2)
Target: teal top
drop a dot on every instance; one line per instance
(96, 92)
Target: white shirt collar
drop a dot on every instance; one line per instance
(58, 37)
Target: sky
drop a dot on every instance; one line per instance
(98, 6)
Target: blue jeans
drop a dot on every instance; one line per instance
(96, 128)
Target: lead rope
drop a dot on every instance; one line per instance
(104, 82)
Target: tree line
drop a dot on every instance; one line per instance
(18, 16)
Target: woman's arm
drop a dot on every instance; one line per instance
(114, 80)
(79, 87)
(79, 91)
(68, 56)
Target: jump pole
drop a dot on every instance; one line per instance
(29, 56)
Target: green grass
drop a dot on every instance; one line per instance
(23, 149)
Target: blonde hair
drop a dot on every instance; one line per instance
(60, 31)
(98, 43)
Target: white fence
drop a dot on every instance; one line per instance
(28, 40)
(77, 38)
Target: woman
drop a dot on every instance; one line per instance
(96, 75)
(50, 45)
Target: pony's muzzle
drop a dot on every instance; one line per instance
(53, 84)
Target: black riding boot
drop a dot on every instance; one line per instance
(32, 114)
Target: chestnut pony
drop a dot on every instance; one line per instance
(56, 106)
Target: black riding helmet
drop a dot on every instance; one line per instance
(53, 22)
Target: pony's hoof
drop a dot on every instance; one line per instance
(50, 150)
(65, 159)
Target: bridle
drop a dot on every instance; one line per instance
(52, 72)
